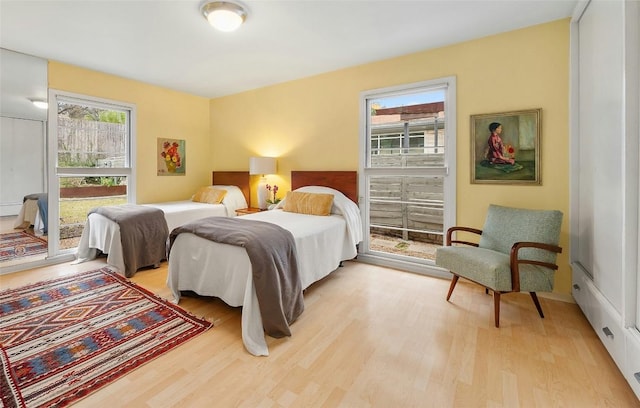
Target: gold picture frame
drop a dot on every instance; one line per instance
(505, 147)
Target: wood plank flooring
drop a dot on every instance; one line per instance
(375, 337)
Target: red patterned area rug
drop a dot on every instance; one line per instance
(65, 338)
(20, 244)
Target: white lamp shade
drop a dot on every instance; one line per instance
(262, 165)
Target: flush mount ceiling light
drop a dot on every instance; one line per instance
(224, 15)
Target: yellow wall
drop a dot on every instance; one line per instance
(313, 123)
(161, 113)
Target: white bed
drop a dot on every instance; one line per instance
(103, 234)
(30, 215)
(224, 271)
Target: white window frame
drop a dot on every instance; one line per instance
(422, 266)
(55, 172)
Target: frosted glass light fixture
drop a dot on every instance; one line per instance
(224, 15)
(262, 166)
(40, 103)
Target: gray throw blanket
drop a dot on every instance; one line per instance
(274, 265)
(43, 208)
(143, 234)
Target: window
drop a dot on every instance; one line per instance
(407, 176)
(92, 153)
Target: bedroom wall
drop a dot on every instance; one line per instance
(313, 123)
(161, 113)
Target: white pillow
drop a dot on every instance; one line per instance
(341, 206)
(234, 199)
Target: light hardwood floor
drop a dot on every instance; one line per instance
(375, 337)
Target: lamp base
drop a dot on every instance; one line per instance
(262, 193)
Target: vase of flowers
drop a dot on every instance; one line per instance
(171, 156)
(273, 199)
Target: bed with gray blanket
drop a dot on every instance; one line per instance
(262, 279)
(34, 212)
(274, 265)
(143, 234)
(102, 234)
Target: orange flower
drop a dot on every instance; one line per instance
(509, 151)
(170, 155)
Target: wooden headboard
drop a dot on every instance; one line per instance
(233, 178)
(344, 181)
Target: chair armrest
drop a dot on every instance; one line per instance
(451, 230)
(515, 261)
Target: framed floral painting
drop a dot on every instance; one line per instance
(171, 157)
(505, 147)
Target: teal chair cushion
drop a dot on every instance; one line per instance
(505, 226)
(491, 269)
(484, 266)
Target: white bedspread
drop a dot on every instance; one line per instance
(224, 271)
(180, 212)
(28, 216)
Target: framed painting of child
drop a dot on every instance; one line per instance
(505, 147)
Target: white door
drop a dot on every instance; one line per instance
(22, 161)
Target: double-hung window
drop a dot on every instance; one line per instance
(91, 156)
(407, 171)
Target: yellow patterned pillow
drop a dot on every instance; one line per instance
(209, 195)
(308, 203)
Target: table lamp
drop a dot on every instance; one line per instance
(262, 166)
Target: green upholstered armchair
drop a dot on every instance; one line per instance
(516, 252)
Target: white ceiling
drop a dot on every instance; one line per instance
(169, 43)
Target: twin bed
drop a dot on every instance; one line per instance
(318, 245)
(103, 234)
(322, 242)
(33, 212)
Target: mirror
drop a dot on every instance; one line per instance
(23, 130)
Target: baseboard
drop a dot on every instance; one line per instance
(19, 267)
(406, 266)
(436, 272)
(563, 297)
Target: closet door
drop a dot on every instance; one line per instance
(601, 151)
(633, 129)
(605, 170)
(21, 161)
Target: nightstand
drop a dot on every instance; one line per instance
(250, 210)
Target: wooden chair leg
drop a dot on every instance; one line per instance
(537, 303)
(454, 280)
(496, 307)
